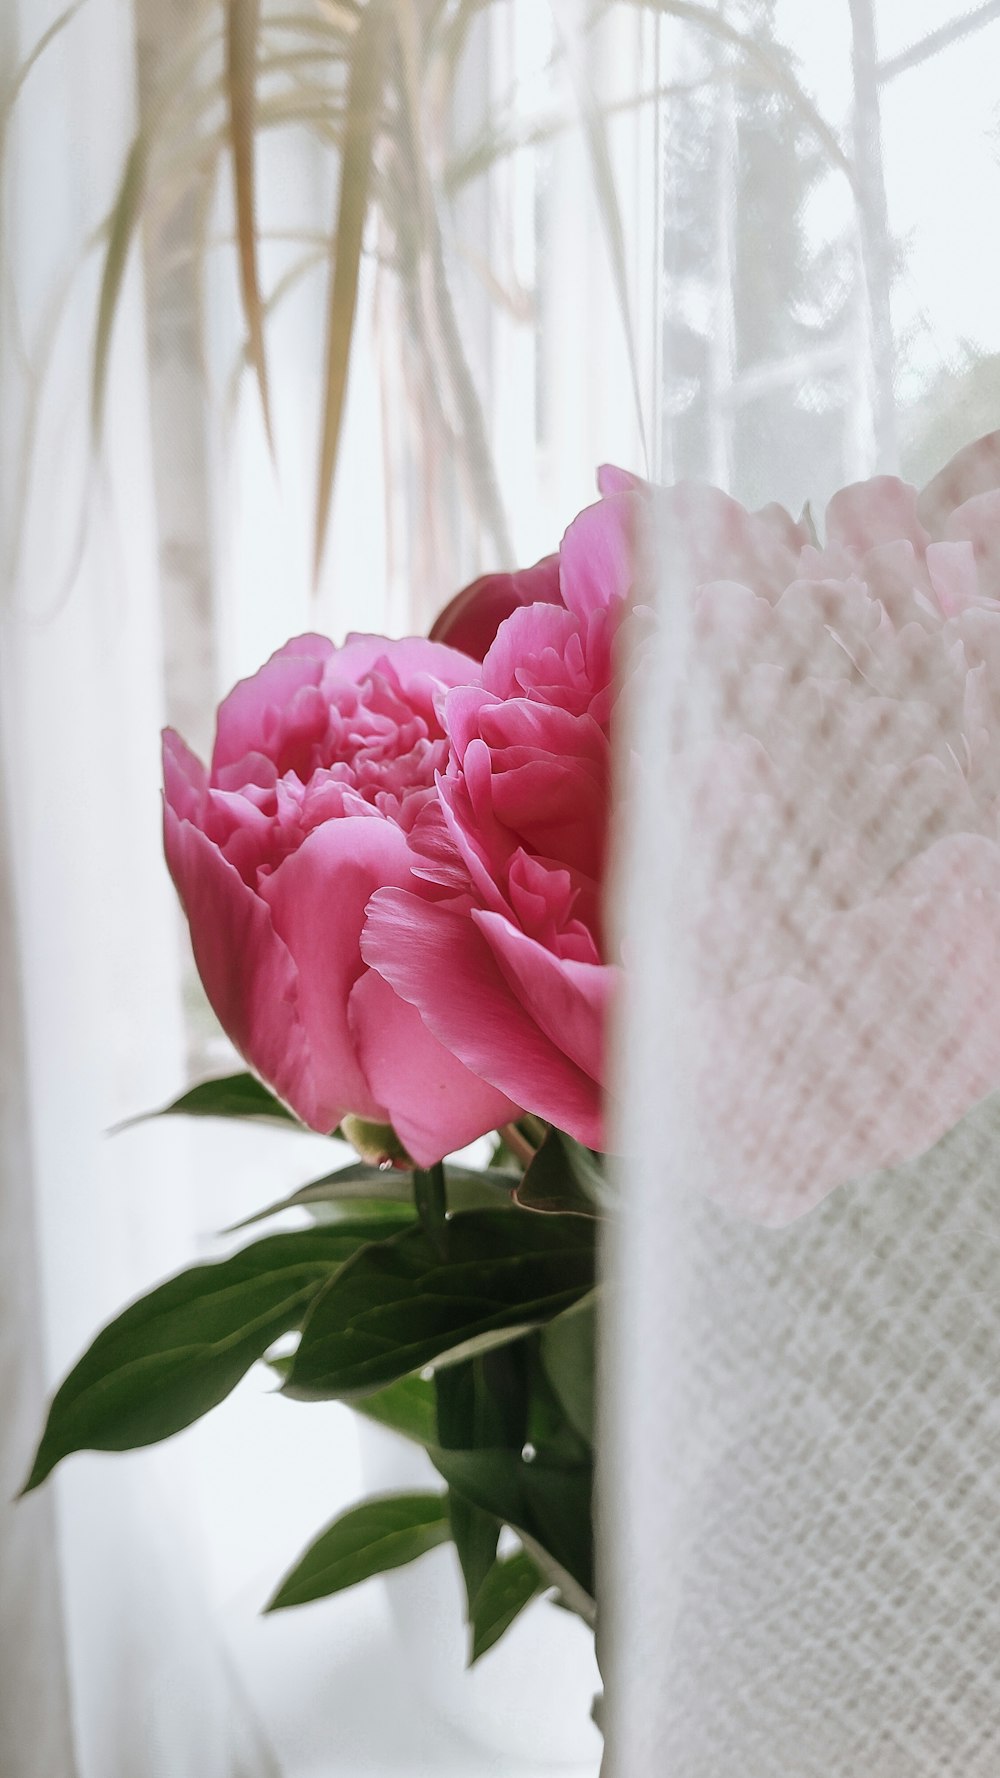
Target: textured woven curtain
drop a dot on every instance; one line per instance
(802, 1472)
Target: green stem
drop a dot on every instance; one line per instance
(431, 1198)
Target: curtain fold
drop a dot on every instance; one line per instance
(113, 1665)
(36, 1739)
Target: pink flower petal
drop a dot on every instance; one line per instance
(612, 480)
(436, 958)
(470, 622)
(597, 558)
(412, 660)
(525, 636)
(243, 715)
(317, 898)
(435, 1104)
(569, 1001)
(185, 780)
(248, 974)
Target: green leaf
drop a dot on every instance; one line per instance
(480, 1403)
(483, 1401)
(553, 1181)
(360, 1184)
(368, 1540)
(568, 1356)
(546, 1502)
(475, 1534)
(402, 1305)
(371, 1191)
(493, 1340)
(362, 110)
(177, 1352)
(408, 1407)
(231, 1095)
(587, 1168)
(511, 1584)
(569, 1594)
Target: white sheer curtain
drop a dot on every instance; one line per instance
(137, 590)
(801, 1441)
(95, 1031)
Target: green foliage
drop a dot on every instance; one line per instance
(548, 1502)
(500, 1303)
(568, 1354)
(563, 1179)
(408, 1407)
(177, 1352)
(362, 1189)
(480, 1403)
(231, 1095)
(510, 1584)
(407, 1302)
(370, 1539)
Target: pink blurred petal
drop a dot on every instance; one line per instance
(977, 521)
(953, 576)
(893, 1035)
(612, 480)
(704, 535)
(794, 535)
(882, 510)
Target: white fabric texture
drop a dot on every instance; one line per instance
(111, 1663)
(802, 1432)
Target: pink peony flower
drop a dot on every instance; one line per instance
(323, 762)
(473, 617)
(500, 943)
(841, 863)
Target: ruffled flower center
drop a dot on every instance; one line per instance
(334, 749)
